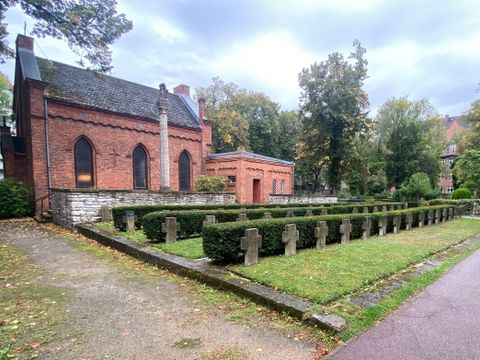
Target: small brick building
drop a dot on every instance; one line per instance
(78, 128)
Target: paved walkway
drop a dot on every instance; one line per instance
(441, 322)
(137, 316)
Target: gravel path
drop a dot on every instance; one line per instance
(132, 317)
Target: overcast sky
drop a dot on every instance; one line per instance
(417, 48)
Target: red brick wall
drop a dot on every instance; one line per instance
(246, 170)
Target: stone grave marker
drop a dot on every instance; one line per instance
(129, 220)
(392, 208)
(450, 213)
(290, 213)
(438, 215)
(355, 210)
(309, 212)
(251, 244)
(375, 209)
(324, 211)
(365, 209)
(397, 223)
(444, 215)
(209, 220)
(421, 218)
(409, 222)
(321, 234)
(366, 227)
(105, 213)
(242, 217)
(430, 217)
(290, 237)
(345, 230)
(382, 226)
(399, 207)
(267, 215)
(170, 227)
(384, 208)
(405, 205)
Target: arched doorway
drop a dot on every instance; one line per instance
(184, 171)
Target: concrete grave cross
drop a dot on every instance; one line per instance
(251, 244)
(324, 211)
(450, 213)
(170, 227)
(209, 220)
(405, 205)
(129, 220)
(355, 210)
(399, 207)
(309, 212)
(430, 217)
(444, 215)
(345, 230)
(366, 227)
(438, 215)
(384, 208)
(267, 215)
(365, 210)
(242, 217)
(421, 218)
(382, 226)
(290, 213)
(290, 237)
(409, 222)
(397, 222)
(392, 208)
(321, 234)
(375, 209)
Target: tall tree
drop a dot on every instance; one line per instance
(472, 136)
(410, 136)
(467, 169)
(88, 26)
(6, 96)
(334, 109)
(290, 129)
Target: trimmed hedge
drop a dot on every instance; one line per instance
(461, 193)
(191, 221)
(221, 242)
(142, 210)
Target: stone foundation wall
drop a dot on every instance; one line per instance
(301, 199)
(71, 207)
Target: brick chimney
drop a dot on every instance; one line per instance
(24, 42)
(201, 109)
(182, 89)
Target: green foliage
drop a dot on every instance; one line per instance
(377, 180)
(344, 194)
(333, 106)
(191, 222)
(210, 183)
(471, 139)
(89, 27)
(15, 199)
(461, 193)
(416, 187)
(6, 96)
(410, 137)
(221, 242)
(467, 169)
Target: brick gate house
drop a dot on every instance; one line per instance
(79, 129)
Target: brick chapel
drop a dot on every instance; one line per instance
(76, 128)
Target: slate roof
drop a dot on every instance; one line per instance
(105, 92)
(250, 155)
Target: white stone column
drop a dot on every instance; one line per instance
(162, 105)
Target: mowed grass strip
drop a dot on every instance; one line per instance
(324, 275)
(190, 248)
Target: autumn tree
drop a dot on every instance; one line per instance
(334, 110)
(89, 27)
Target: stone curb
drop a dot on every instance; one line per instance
(216, 277)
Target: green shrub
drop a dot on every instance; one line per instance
(15, 199)
(142, 210)
(416, 187)
(210, 183)
(461, 193)
(221, 242)
(191, 221)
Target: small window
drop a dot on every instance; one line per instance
(83, 153)
(274, 186)
(282, 187)
(232, 180)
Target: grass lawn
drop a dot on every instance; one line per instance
(189, 248)
(324, 275)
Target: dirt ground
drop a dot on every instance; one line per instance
(134, 316)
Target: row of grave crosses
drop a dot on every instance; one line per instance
(251, 243)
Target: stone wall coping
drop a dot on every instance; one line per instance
(133, 191)
(201, 270)
(304, 196)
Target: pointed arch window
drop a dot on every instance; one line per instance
(140, 168)
(83, 151)
(184, 171)
(274, 186)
